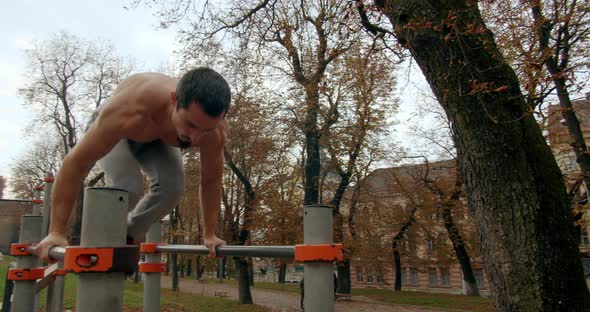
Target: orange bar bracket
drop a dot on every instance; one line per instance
(38, 188)
(37, 201)
(105, 259)
(50, 180)
(145, 267)
(149, 247)
(318, 253)
(19, 250)
(25, 274)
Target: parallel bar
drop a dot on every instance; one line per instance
(57, 253)
(233, 251)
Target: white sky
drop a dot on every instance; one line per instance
(132, 32)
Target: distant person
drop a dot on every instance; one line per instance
(141, 128)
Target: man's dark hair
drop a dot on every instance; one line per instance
(205, 86)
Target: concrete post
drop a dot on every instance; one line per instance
(104, 224)
(55, 291)
(36, 201)
(318, 277)
(46, 205)
(151, 285)
(24, 299)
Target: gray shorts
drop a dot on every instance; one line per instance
(163, 168)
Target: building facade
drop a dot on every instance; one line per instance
(11, 212)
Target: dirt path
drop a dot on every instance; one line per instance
(288, 302)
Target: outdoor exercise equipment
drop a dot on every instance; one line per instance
(102, 259)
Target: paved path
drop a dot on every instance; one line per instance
(280, 301)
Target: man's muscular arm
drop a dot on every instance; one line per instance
(101, 137)
(210, 190)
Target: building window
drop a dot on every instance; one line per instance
(414, 277)
(585, 239)
(445, 277)
(369, 278)
(380, 278)
(432, 278)
(359, 276)
(404, 277)
(478, 273)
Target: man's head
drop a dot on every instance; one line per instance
(202, 98)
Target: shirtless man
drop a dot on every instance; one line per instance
(141, 128)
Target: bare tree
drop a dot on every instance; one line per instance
(39, 161)
(2, 186)
(67, 78)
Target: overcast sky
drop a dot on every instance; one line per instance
(132, 32)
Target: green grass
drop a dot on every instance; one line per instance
(424, 299)
(458, 302)
(133, 297)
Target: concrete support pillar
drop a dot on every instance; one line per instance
(24, 299)
(104, 224)
(151, 285)
(318, 276)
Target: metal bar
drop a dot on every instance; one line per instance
(57, 253)
(151, 290)
(318, 276)
(24, 299)
(104, 224)
(233, 251)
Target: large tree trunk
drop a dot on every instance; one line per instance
(514, 187)
(244, 293)
(312, 145)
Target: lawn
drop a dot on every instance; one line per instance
(133, 298)
(424, 299)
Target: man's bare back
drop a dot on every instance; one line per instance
(143, 100)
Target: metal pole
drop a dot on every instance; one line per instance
(24, 291)
(233, 251)
(151, 290)
(55, 290)
(104, 224)
(318, 277)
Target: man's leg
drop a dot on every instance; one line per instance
(163, 167)
(122, 171)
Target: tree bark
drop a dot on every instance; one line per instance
(282, 272)
(244, 293)
(397, 261)
(460, 252)
(513, 184)
(312, 145)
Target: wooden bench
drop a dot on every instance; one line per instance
(221, 294)
(345, 297)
